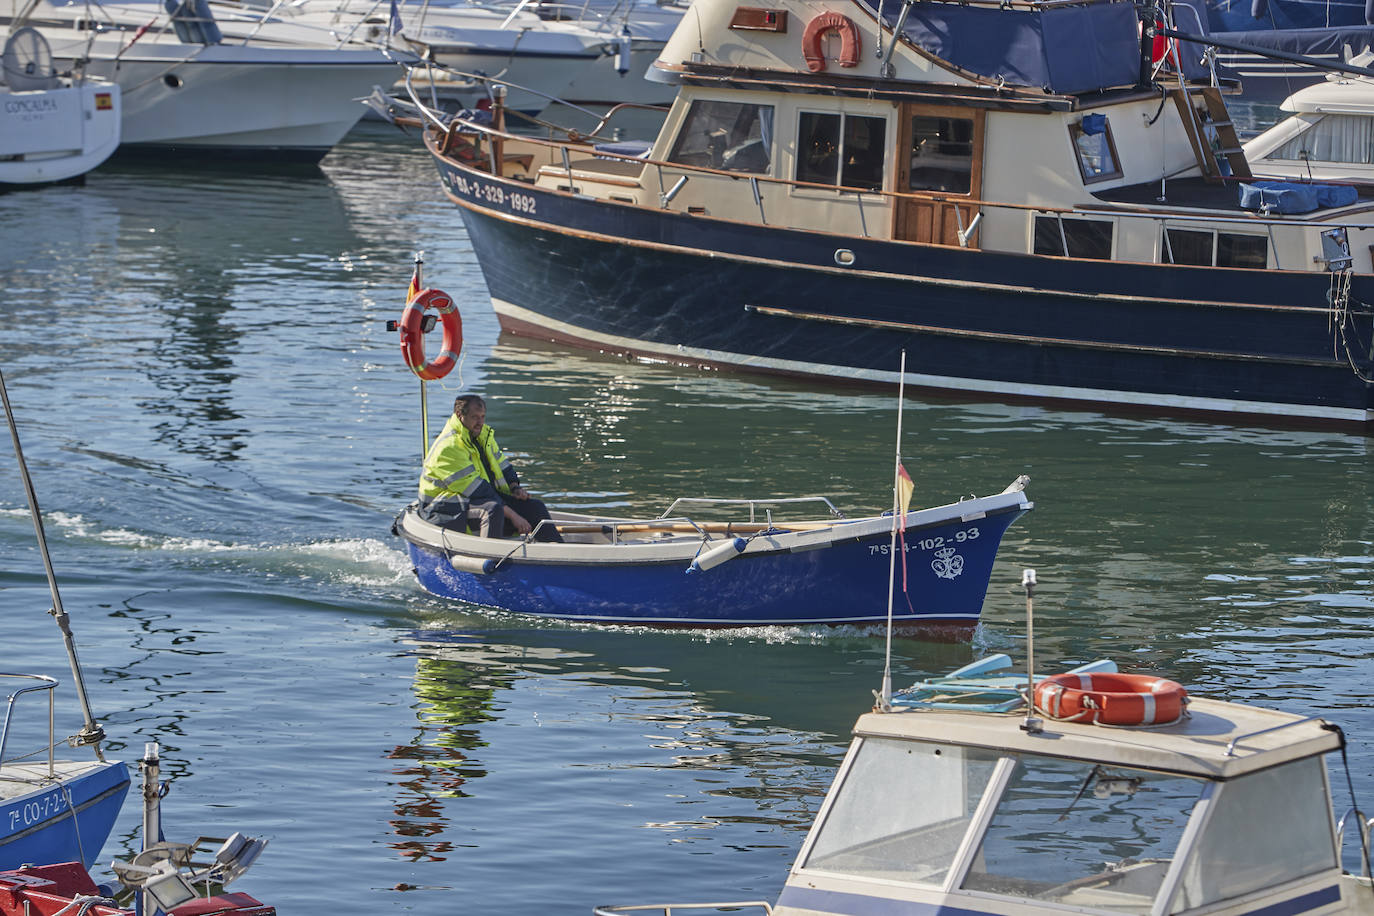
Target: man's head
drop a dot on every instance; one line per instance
(471, 411)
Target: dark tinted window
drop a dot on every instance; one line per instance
(1086, 238)
(941, 154)
(1188, 246)
(864, 145)
(1242, 250)
(818, 147)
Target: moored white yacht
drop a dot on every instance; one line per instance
(953, 799)
(1328, 135)
(51, 128)
(190, 89)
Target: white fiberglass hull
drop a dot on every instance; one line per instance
(235, 98)
(51, 135)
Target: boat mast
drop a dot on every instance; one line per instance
(92, 733)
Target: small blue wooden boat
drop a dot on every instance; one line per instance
(677, 570)
(53, 810)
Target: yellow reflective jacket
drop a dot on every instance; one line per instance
(453, 467)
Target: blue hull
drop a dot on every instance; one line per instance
(693, 289)
(66, 822)
(947, 571)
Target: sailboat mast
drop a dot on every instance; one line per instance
(92, 733)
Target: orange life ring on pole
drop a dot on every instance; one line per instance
(815, 31)
(1111, 699)
(413, 334)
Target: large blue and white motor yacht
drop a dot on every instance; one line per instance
(839, 180)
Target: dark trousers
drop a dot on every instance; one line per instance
(489, 519)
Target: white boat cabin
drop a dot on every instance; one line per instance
(1227, 811)
(806, 114)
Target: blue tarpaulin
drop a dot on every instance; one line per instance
(1065, 49)
(1294, 197)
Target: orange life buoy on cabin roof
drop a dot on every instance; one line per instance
(413, 335)
(815, 32)
(1111, 699)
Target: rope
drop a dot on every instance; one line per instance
(84, 902)
(1339, 318)
(76, 825)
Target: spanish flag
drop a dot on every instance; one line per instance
(414, 284)
(904, 488)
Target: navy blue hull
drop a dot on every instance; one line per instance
(947, 572)
(695, 289)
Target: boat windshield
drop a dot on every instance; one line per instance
(1071, 832)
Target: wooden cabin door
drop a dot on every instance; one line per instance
(938, 149)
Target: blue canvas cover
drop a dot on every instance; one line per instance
(1066, 50)
(1295, 197)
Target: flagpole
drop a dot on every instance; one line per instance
(415, 286)
(885, 698)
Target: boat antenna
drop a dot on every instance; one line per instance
(92, 733)
(885, 695)
(1032, 724)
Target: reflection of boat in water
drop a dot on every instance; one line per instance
(942, 803)
(680, 570)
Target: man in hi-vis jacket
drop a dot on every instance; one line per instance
(467, 481)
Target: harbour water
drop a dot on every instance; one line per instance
(221, 430)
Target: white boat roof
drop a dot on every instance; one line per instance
(1347, 95)
(1196, 746)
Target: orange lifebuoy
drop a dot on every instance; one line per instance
(413, 335)
(1111, 699)
(815, 31)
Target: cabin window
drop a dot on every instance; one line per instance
(1074, 238)
(1265, 829)
(732, 136)
(1207, 248)
(846, 150)
(941, 154)
(902, 810)
(1093, 837)
(1335, 138)
(1095, 148)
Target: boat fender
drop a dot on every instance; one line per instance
(1108, 698)
(718, 555)
(622, 51)
(413, 334)
(816, 29)
(478, 566)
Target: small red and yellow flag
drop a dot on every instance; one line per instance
(103, 101)
(904, 488)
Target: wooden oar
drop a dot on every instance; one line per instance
(686, 528)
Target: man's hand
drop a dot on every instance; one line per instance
(519, 492)
(517, 521)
